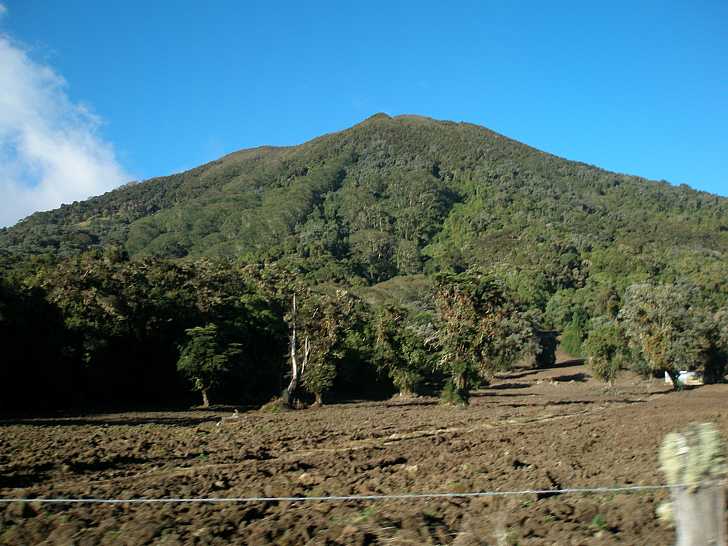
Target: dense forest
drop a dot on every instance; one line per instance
(401, 255)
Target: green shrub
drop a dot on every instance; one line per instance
(574, 334)
(453, 396)
(606, 347)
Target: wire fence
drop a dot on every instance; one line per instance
(693, 461)
(335, 498)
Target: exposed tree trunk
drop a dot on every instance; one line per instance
(298, 368)
(306, 354)
(319, 399)
(291, 393)
(205, 399)
(462, 384)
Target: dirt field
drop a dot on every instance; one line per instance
(531, 429)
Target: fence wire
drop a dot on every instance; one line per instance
(340, 498)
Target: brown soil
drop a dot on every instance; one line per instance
(530, 430)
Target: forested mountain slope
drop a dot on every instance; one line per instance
(421, 254)
(398, 196)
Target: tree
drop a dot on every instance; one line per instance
(574, 333)
(720, 321)
(399, 349)
(666, 324)
(34, 369)
(320, 323)
(372, 250)
(480, 330)
(205, 359)
(606, 349)
(545, 343)
(126, 319)
(299, 362)
(330, 319)
(715, 368)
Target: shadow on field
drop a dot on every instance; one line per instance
(398, 404)
(20, 481)
(520, 374)
(567, 363)
(573, 402)
(531, 371)
(482, 394)
(504, 386)
(580, 377)
(393, 402)
(110, 421)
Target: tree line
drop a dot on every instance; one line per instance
(99, 329)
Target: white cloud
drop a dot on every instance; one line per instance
(50, 152)
(3, 10)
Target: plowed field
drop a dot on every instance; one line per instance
(531, 429)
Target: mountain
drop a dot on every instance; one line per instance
(114, 286)
(397, 196)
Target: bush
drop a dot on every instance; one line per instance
(479, 329)
(546, 356)
(607, 349)
(666, 324)
(571, 340)
(454, 396)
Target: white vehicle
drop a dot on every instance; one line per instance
(686, 378)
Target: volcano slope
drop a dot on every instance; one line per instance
(532, 429)
(399, 196)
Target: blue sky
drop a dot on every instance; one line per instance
(149, 88)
